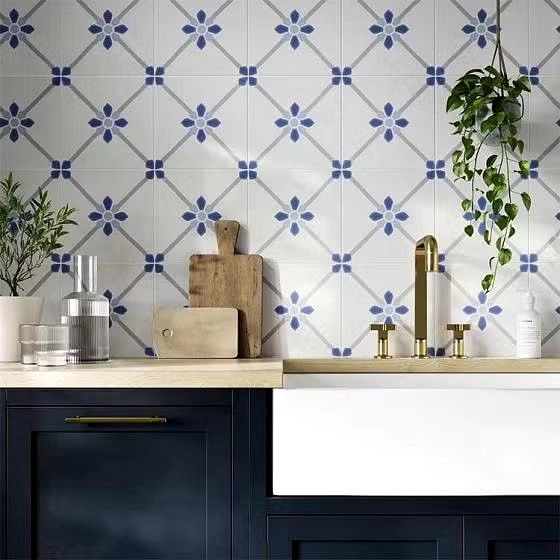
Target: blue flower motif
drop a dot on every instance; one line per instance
(294, 216)
(154, 168)
(528, 262)
(201, 123)
(436, 352)
(114, 307)
(61, 76)
(435, 169)
(248, 75)
(480, 31)
(61, 168)
(341, 169)
(108, 122)
(482, 205)
(343, 76)
(108, 29)
(201, 29)
(15, 121)
(110, 217)
(154, 263)
(247, 170)
(388, 121)
(388, 215)
(435, 75)
(60, 262)
(155, 75)
(481, 310)
(441, 262)
(337, 352)
(388, 312)
(16, 29)
(389, 29)
(149, 352)
(295, 30)
(295, 122)
(532, 73)
(341, 262)
(294, 311)
(203, 216)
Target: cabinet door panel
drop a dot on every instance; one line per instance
(512, 538)
(364, 537)
(119, 491)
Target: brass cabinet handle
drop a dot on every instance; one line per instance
(116, 420)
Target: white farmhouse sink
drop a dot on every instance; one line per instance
(372, 440)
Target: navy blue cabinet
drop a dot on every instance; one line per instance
(512, 538)
(114, 490)
(326, 537)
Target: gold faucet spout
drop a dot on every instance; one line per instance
(425, 260)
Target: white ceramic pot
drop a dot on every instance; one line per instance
(16, 311)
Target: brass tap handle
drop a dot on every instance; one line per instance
(383, 330)
(458, 330)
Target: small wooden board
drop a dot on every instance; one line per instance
(230, 280)
(183, 332)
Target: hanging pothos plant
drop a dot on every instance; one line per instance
(490, 107)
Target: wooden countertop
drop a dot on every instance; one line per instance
(147, 374)
(412, 365)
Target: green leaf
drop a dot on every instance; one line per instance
(466, 204)
(526, 198)
(491, 160)
(504, 256)
(469, 230)
(502, 222)
(511, 210)
(487, 282)
(456, 156)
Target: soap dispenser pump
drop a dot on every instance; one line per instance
(528, 329)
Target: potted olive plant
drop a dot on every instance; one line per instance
(30, 231)
(491, 108)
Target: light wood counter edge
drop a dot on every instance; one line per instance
(412, 365)
(147, 374)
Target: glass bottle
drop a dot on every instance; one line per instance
(87, 314)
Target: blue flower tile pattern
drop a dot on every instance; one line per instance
(532, 73)
(388, 122)
(202, 29)
(388, 216)
(16, 29)
(15, 121)
(389, 29)
(247, 170)
(294, 311)
(388, 312)
(483, 206)
(201, 122)
(295, 29)
(61, 76)
(435, 75)
(155, 75)
(115, 308)
(435, 169)
(436, 352)
(341, 169)
(109, 217)
(108, 122)
(295, 123)
(338, 352)
(61, 169)
(154, 169)
(248, 75)
(60, 262)
(294, 216)
(203, 217)
(154, 263)
(481, 311)
(528, 263)
(479, 30)
(341, 76)
(341, 262)
(107, 29)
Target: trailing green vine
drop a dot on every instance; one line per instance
(490, 107)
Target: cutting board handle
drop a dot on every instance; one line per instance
(226, 234)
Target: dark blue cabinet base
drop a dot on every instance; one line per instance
(199, 488)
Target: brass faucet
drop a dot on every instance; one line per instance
(425, 260)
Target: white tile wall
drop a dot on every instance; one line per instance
(323, 133)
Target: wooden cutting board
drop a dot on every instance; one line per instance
(185, 332)
(230, 280)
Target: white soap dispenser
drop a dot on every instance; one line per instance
(528, 329)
